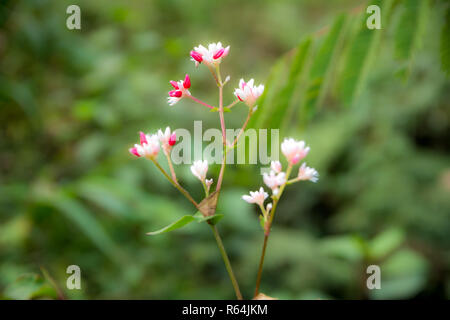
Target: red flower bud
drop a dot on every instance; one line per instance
(143, 138)
(134, 152)
(196, 56)
(174, 84)
(175, 93)
(172, 139)
(219, 53)
(187, 82)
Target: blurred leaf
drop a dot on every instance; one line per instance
(280, 107)
(29, 286)
(410, 29)
(322, 66)
(361, 54)
(344, 247)
(77, 213)
(385, 243)
(402, 276)
(445, 43)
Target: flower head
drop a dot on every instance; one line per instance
(248, 92)
(257, 197)
(180, 90)
(273, 180)
(307, 173)
(293, 150)
(199, 169)
(210, 56)
(276, 166)
(148, 147)
(167, 139)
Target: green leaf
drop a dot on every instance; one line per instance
(385, 243)
(184, 220)
(270, 90)
(445, 43)
(410, 27)
(80, 216)
(278, 112)
(360, 55)
(214, 219)
(322, 66)
(409, 31)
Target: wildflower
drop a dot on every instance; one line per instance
(210, 56)
(148, 147)
(294, 150)
(273, 180)
(257, 197)
(180, 90)
(167, 139)
(307, 173)
(199, 169)
(248, 92)
(275, 166)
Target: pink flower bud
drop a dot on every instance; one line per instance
(196, 56)
(174, 84)
(133, 151)
(142, 137)
(187, 82)
(175, 93)
(172, 139)
(219, 53)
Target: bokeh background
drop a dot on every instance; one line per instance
(72, 102)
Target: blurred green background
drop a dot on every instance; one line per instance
(72, 102)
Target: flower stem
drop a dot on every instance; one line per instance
(200, 101)
(172, 170)
(231, 105)
(226, 261)
(267, 232)
(243, 128)
(175, 184)
(224, 139)
(261, 262)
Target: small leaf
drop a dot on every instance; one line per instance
(184, 220)
(214, 219)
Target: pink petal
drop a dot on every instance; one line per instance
(143, 138)
(174, 84)
(187, 82)
(219, 53)
(172, 139)
(196, 56)
(133, 151)
(175, 93)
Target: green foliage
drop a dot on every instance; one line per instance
(72, 102)
(445, 43)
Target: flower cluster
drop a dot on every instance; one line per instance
(150, 144)
(277, 179)
(180, 90)
(209, 56)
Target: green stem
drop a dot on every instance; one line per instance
(261, 262)
(175, 184)
(267, 232)
(226, 261)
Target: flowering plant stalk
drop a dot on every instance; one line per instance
(247, 92)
